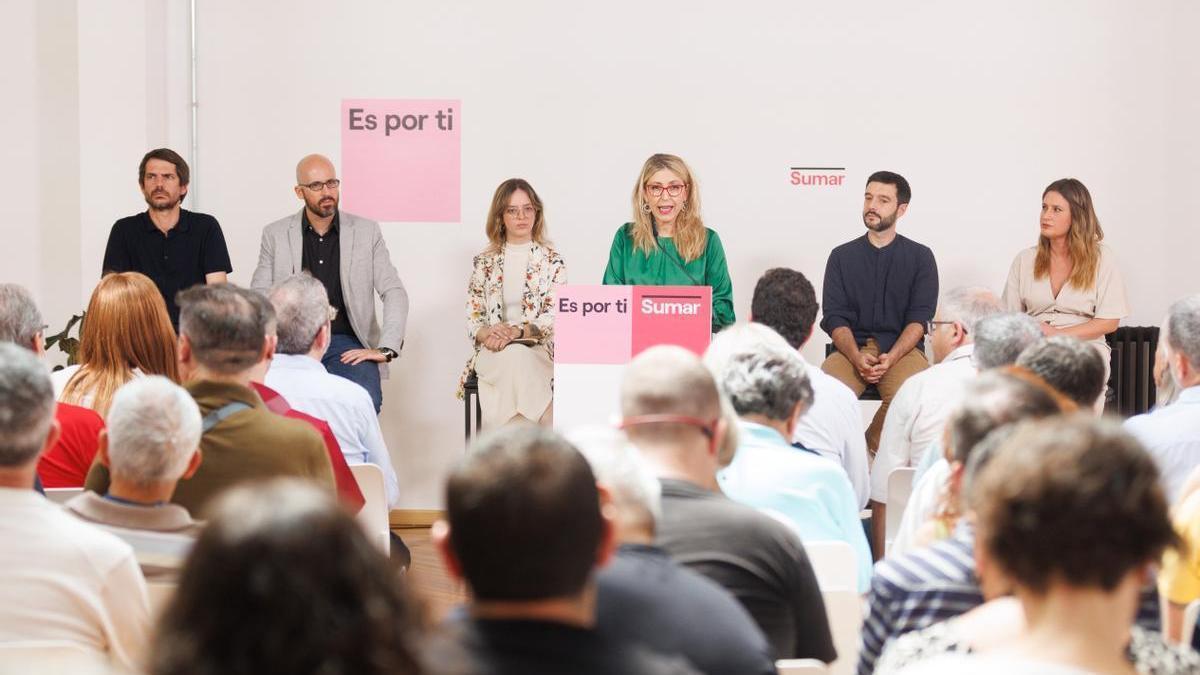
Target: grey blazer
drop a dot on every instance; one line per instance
(366, 270)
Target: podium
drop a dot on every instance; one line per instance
(599, 329)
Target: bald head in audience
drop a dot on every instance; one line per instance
(671, 410)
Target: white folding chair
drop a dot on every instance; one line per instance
(845, 611)
(1190, 614)
(834, 563)
(800, 667)
(899, 489)
(62, 495)
(374, 514)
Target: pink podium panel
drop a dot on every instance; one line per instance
(672, 315)
(599, 329)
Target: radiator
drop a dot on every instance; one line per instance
(1131, 380)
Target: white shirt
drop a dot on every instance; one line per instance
(345, 405)
(516, 264)
(921, 505)
(1172, 435)
(833, 428)
(68, 582)
(917, 415)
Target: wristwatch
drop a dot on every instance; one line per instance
(388, 353)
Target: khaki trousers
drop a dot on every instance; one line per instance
(840, 367)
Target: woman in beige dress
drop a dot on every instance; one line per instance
(1069, 281)
(510, 310)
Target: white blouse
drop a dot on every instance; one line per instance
(516, 263)
(1072, 306)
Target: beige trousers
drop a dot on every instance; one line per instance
(840, 367)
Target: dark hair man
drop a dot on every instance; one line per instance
(880, 290)
(524, 529)
(175, 247)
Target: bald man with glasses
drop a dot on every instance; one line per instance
(348, 255)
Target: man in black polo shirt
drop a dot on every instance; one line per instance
(672, 412)
(524, 529)
(175, 247)
(880, 290)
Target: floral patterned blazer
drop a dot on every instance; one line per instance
(485, 297)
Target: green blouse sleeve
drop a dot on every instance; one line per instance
(614, 274)
(716, 274)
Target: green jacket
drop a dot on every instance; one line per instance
(661, 267)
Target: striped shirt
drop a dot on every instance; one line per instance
(916, 590)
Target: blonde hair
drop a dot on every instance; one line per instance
(495, 218)
(689, 235)
(126, 327)
(1083, 239)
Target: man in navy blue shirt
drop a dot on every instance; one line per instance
(880, 291)
(175, 247)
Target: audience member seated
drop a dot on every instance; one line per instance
(302, 316)
(151, 443)
(644, 596)
(919, 409)
(524, 529)
(1072, 366)
(785, 301)
(349, 494)
(126, 333)
(1166, 390)
(510, 310)
(223, 336)
(66, 463)
(66, 582)
(1179, 579)
(999, 340)
(1070, 515)
(282, 580)
(672, 413)
(1172, 433)
(766, 381)
(918, 589)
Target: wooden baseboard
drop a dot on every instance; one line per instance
(413, 518)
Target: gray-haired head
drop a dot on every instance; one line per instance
(1183, 329)
(1070, 365)
(20, 320)
(26, 406)
(1000, 338)
(225, 325)
(967, 305)
(619, 467)
(153, 431)
(759, 371)
(301, 310)
(994, 399)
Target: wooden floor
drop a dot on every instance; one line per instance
(427, 576)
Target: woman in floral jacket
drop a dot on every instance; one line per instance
(510, 317)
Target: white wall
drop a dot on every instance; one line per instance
(979, 106)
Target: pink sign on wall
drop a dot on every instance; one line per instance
(401, 159)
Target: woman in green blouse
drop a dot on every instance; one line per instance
(667, 243)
